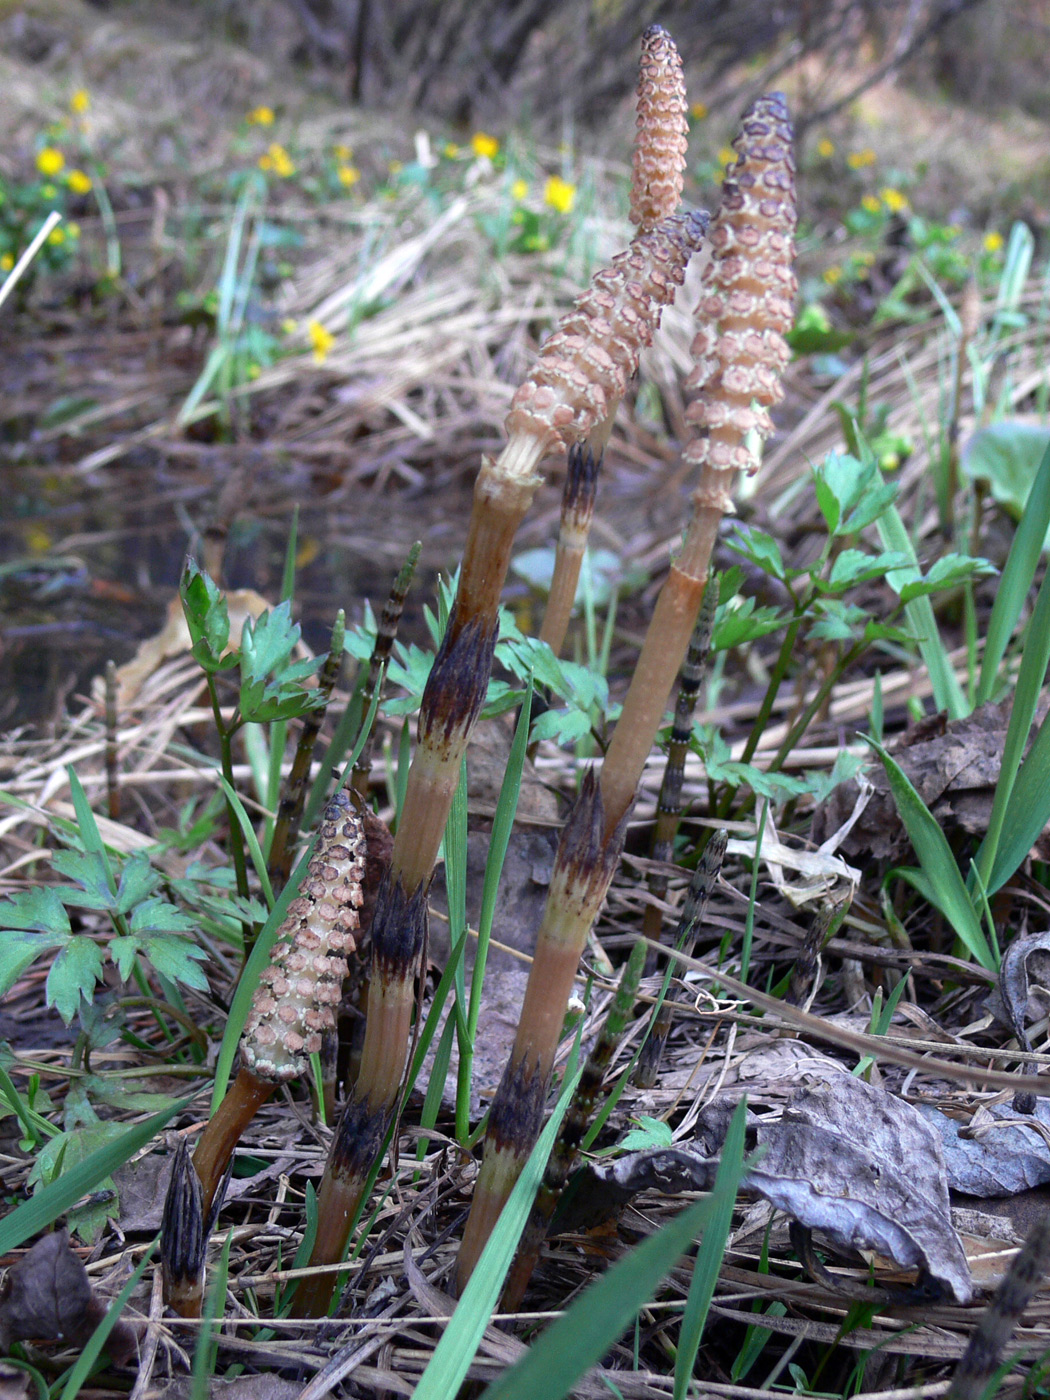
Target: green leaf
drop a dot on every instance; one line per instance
(580, 1338)
(762, 550)
(947, 692)
(1034, 661)
(947, 572)
(1009, 457)
(207, 617)
(1018, 573)
(940, 881)
(176, 957)
(55, 1199)
(1027, 812)
(138, 880)
(740, 620)
(712, 1251)
(73, 975)
(267, 642)
(651, 1132)
(89, 870)
(39, 909)
(855, 566)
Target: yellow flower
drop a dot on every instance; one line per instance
(78, 182)
(57, 235)
(342, 154)
(49, 161)
(992, 242)
(519, 189)
(7, 262)
(278, 160)
(559, 194)
(450, 149)
(893, 199)
(484, 145)
(871, 204)
(858, 160)
(321, 341)
(38, 539)
(253, 371)
(348, 175)
(833, 274)
(80, 101)
(289, 325)
(73, 230)
(261, 116)
(395, 167)
(726, 156)
(825, 148)
(698, 111)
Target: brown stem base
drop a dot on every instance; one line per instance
(245, 1096)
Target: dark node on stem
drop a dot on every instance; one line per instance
(586, 858)
(517, 1109)
(581, 481)
(183, 1241)
(455, 690)
(399, 927)
(358, 1140)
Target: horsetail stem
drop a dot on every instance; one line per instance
(293, 798)
(584, 366)
(693, 910)
(747, 290)
(658, 172)
(589, 1091)
(295, 999)
(669, 802)
(577, 511)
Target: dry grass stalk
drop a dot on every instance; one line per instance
(583, 368)
(748, 290)
(295, 1000)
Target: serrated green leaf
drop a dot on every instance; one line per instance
(855, 566)
(207, 617)
(73, 975)
(19, 949)
(90, 872)
(736, 625)
(176, 957)
(267, 642)
(138, 880)
(158, 915)
(39, 909)
(761, 549)
(560, 726)
(947, 572)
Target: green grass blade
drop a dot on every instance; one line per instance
(206, 1350)
(252, 841)
(1018, 573)
(47, 1205)
(582, 1336)
(942, 884)
(1027, 813)
(81, 1368)
(456, 1349)
(1030, 679)
(712, 1251)
(947, 692)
